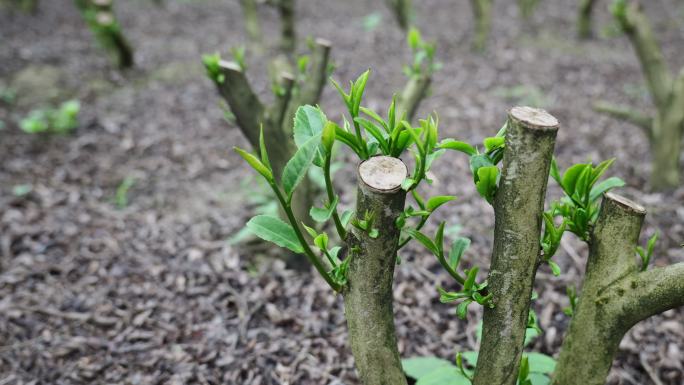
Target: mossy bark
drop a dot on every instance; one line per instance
(482, 10)
(585, 28)
(368, 294)
(614, 295)
(518, 207)
(665, 130)
(414, 92)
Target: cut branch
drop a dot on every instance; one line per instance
(638, 29)
(251, 20)
(615, 295)
(243, 102)
(627, 114)
(368, 295)
(518, 207)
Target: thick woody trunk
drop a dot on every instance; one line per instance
(614, 296)
(368, 295)
(518, 207)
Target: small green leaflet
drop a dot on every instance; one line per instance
(458, 247)
(296, 168)
(346, 217)
(434, 202)
(487, 181)
(323, 214)
(274, 230)
(255, 163)
(604, 186)
(308, 123)
(457, 145)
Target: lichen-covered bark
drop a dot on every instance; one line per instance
(518, 207)
(414, 92)
(482, 10)
(584, 25)
(614, 295)
(368, 295)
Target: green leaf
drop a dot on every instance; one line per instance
(262, 149)
(530, 335)
(570, 177)
(323, 214)
(604, 186)
(439, 238)
(434, 202)
(456, 145)
(357, 92)
(424, 239)
(493, 143)
(471, 357)
(413, 38)
(487, 181)
(555, 269)
(470, 280)
(346, 217)
(321, 241)
(478, 161)
(417, 367)
(541, 363)
(445, 375)
(373, 233)
(539, 379)
(458, 247)
(462, 309)
(256, 164)
(308, 123)
(600, 170)
(524, 370)
(296, 168)
(274, 230)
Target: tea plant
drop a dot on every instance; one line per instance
(277, 119)
(609, 304)
(361, 266)
(60, 120)
(101, 20)
(665, 125)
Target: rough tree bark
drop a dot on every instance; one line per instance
(615, 295)
(518, 207)
(482, 10)
(665, 128)
(368, 294)
(584, 24)
(277, 119)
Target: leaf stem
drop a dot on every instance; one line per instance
(331, 197)
(307, 250)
